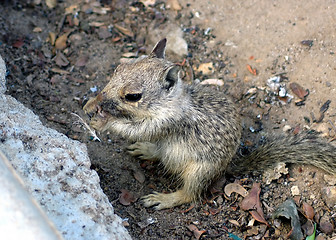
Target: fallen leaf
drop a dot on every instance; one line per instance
(37, 29)
(82, 61)
(234, 222)
(52, 38)
(298, 90)
(19, 43)
(325, 225)
(197, 233)
(214, 211)
(235, 187)
(217, 82)
(61, 60)
(147, 3)
(251, 70)
(61, 41)
(308, 210)
(174, 4)
(51, 3)
(312, 236)
(308, 228)
(139, 176)
(71, 9)
(104, 33)
(57, 70)
(124, 31)
(96, 24)
(288, 210)
(126, 198)
(252, 202)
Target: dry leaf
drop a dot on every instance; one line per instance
(96, 24)
(197, 233)
(82, 61)
(252, 202)
(126, 198)
(37, 29)
(124, 31)
(51, 3)
(235, 187)
(234, 222)
(298, 90)
(174, 4)
(139, 176)
(147, 3)
(61, 41)
(19, 43)
(57, 70)
(52, 38)
(217, 82)
(308, 210)
(71, 9)
(61, 60)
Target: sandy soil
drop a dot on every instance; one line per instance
(266, 35)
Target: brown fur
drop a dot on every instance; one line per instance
(193, 130)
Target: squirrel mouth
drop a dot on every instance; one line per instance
(101, 113)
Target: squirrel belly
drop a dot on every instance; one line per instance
(193, 130)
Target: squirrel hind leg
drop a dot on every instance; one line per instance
(196, 177)
(144, 151)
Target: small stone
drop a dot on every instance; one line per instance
(328, 84)
(295, 190)
(206, 68)
(325, 225)
(286, 128)
(329, 196)
(329, 179)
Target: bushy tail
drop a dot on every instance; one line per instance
(304, 148)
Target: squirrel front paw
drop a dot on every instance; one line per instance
(143, 150)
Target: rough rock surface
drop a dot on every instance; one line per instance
(56, 172)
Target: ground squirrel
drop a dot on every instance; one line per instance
(192, 129)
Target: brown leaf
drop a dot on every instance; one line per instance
(298, 90)
(82, 61)
(124, 31)
(252, 202)
(174, 4)
(51, 3)
(197, 233)
(308, 210)
(57, 70)
(235, 187)
(139, 176)
(104, 33)
(61, 60)
(52, 38)
(61, 41)
(19, 43)
(126, 198)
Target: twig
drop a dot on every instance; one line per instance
(92, 132)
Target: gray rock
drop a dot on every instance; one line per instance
(2, 76)
(56, 172)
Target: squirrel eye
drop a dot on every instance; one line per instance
(133, 97)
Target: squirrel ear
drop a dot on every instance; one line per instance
(172, 77)
(159, 49)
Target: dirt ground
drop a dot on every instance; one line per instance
(59, 54)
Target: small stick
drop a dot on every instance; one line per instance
(92, 132)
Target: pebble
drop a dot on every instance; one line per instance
(329, 179)
(329, 196)
(286, 128)
(325, 225)
(295, 190)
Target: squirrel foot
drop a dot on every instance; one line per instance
(169, 200)
(143, 150)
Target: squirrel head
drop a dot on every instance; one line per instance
(139, 88)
